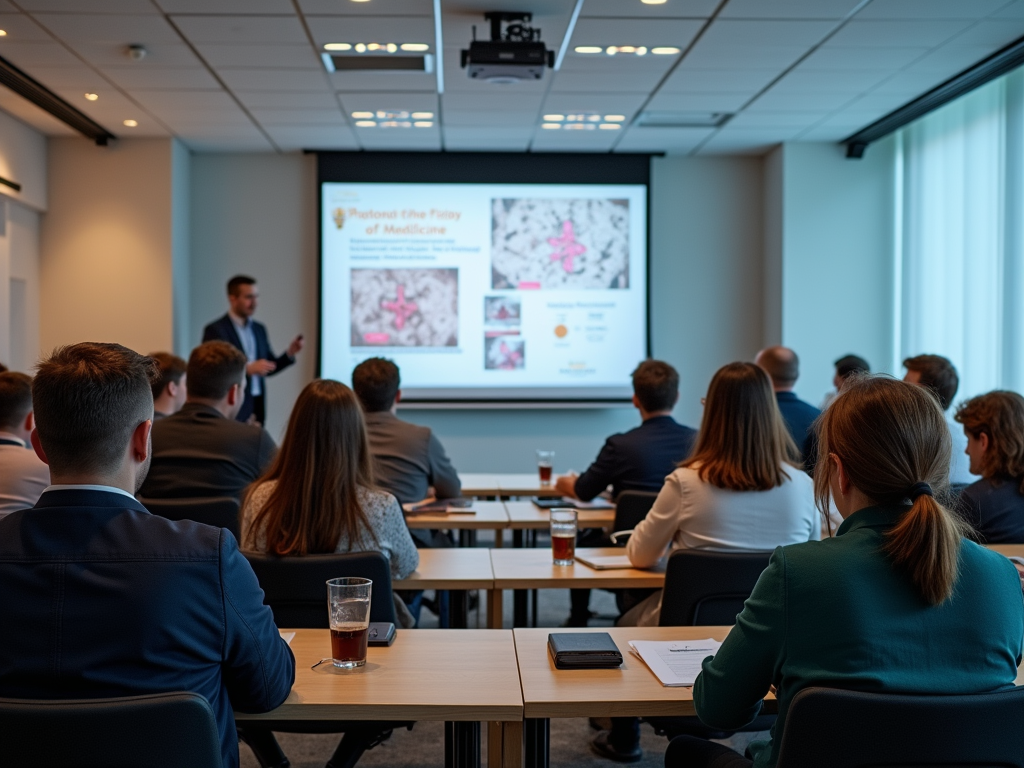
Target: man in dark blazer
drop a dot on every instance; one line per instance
(783, 367)
(102, 599)
(239, 329)
(202, 451)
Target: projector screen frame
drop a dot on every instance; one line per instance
(487, 168)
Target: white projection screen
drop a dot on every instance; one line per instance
(519, 291)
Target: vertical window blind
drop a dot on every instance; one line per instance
(960, 237)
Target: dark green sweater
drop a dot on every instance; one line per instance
(835, 613)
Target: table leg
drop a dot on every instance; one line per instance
(533, 607)
(461, 745)
(512, 744)
(499, 538)
(495, 748)
(520, 612)
(495, 609)
(459, 609)
(517, 538)
(537, 738)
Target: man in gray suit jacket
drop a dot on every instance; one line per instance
(408, 459)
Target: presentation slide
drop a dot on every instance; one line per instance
(486, 291)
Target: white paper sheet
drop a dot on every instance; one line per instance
(676, 663)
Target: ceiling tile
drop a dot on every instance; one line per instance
(242, 7)
(92, 6)
(371, 102)
(619, 64)
(126, 29)
(781, 101)
(907, 83)
(789, 119)
(788, 9)
(274, 79)
(698, 102)
(930, 9)
(841, 58)
(161, 55)
(22, 29)
(1014, 10)
(716, 80)
(278, 30)
(897, 34)
(163, 79)
(680, 9)
(764, 33)
(648, 32)
(497, 102)
(573, 141)
(184, 101)
(372, 29)
(28, 56)
(622, 82)
(287, 99)
(383, 81)
(995, 34)
(265, 56)
(376, 8)
(848, 81)
(266, 117)
(481, 119)
(292, 138)
(80, 77)
(950, 60)
(669, 140)
(772, 59)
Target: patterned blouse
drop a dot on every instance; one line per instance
(386, 520)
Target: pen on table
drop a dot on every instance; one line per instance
(690, 650)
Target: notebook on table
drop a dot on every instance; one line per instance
(603, 562)
(584, 650)
(441, 506)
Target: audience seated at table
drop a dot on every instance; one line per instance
(318, 495)
(637, 460)
(201, 451)
(783, 367)
(23, 477)
(939, 375)
(846, 367)
(170, 388)
(994, 505)
(899, 601)
(742, 490)
(102, 599)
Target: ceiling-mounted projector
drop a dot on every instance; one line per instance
(513, 53)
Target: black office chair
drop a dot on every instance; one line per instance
(295, 588)
(161, 730)
(702, 589)
(631, 507)
(851, 729)
(218, 511)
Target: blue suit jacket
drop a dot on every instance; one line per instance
(638, 460)
(100, 598)
(799, 417)
(224, 330)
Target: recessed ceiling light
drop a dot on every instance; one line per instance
(415, 47)
(365, 124)
(3, 33)
(422, 115)
(92, 96)
(131, 123)
(423, 123)
(588, 49)
(366, 1)
(614, 118)
(653, 2)
(609, 126)
(611, 50)
(338, 47)
(362, 115)
(554, 118)
(551, 126)
(360, 47)
(665, 50)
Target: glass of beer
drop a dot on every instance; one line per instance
(563, 535)
(545, 462)
(348, 605)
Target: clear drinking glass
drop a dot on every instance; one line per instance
(545, 461)
(563, 535)
(348, 605)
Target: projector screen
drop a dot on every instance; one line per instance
(486, 292)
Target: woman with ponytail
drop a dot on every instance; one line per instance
(898, 600)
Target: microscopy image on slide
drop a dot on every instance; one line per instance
(502, 310)
(552, 244)
(504, 353)
(405, 307)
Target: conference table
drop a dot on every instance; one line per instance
(485, 515)
(458, 569)
(504, 485)
(460, 677)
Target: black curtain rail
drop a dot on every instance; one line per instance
(31, 89)
(996, 65)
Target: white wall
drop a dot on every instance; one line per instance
(23, 160)
(836, 241)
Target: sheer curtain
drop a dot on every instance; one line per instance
(959, 244)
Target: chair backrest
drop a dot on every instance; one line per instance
(852, 729)
(163, 730)
(296, 586)
(708, 587)
(631, 507)
(219, 511)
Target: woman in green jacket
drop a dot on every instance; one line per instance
(897, 601)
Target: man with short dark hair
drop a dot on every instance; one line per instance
(638, 460)
(408, 458)
(239, 329)
(202, 451)
(23, 477)
(170, 388)
(938, 374)
(101, 598)
(783, 367)
(846, 367)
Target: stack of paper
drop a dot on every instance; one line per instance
(675, 663)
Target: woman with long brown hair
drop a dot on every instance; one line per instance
(897, 601)
(742, 490)
(318, 496)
